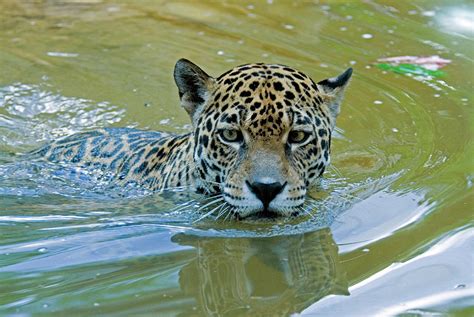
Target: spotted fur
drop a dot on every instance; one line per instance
(247, 124)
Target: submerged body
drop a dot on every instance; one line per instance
(261, 137)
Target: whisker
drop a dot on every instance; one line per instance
(302, 209)
(220, 207)
(206, 214)
(205, 198)
(184, 205)
(228, 214)
(223, 207)
(210, 203)
(223, 211)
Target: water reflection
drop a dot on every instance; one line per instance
(274, 276)
(458, 19)
(32, 114)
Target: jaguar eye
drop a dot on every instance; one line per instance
(298, 137)
(231, 136)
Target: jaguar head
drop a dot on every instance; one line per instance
(262, 133)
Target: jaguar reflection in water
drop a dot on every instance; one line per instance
(275, 276)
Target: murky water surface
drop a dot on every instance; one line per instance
(391, 232)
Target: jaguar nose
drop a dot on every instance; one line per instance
(266, 192)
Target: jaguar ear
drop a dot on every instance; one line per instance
(194, 87)
(332, 90)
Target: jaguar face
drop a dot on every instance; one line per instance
(262, 133)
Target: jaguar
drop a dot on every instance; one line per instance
(261, 138)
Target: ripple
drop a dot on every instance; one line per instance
(31, 114)
(46, 218)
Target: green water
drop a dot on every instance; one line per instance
(392, 233)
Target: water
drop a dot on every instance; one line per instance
(391, 233)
